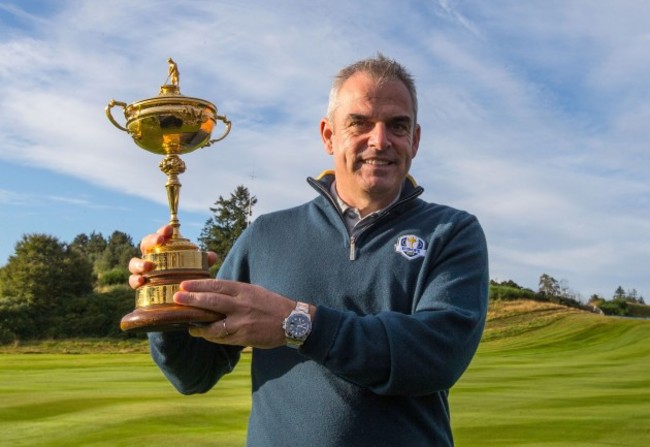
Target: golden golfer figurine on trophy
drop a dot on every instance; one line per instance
(170, 124)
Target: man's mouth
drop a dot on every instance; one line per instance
(376, 162)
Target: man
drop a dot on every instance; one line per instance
(364, 306)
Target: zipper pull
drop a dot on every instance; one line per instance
(353, 248)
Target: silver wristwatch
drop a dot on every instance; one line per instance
(297, 325)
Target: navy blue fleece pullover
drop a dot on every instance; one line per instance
(401, 305)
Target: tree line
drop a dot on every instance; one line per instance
(54, 289)
(549, 289)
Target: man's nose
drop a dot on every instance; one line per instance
(379, 136)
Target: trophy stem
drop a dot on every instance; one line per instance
(173, 187)
(172, 165)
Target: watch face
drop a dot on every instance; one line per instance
(298, 326)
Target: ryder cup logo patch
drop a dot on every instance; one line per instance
(411, 247)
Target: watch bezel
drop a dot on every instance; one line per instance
(297, 326)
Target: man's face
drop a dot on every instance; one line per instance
(373, 138)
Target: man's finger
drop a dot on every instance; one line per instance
(138, 266)
(136, 281)
(206, 298)
(221, 286)
(215, 332)
(158, 238)
(212, 258)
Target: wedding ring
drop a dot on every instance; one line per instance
(225, 328)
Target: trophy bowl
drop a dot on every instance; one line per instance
(171, 125)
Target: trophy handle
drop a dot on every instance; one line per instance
(228, 124)
(108, 108)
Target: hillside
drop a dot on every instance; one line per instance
(549, 375)
(541, 325)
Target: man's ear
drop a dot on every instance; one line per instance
(326, 132)
(416, 140)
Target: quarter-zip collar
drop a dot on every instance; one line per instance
(352, 216)
(323, 183)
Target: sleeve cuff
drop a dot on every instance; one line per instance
(324, 330)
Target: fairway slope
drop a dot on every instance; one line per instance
(526, 325)
(548, 375)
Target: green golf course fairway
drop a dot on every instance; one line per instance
(114, 400)
(544, 375)
(549, 376)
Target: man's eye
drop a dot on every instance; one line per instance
(359, 124)
(400, 128)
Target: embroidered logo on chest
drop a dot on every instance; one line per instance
(411, 247)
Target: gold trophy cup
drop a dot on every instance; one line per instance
(170, 124)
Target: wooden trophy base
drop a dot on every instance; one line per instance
(166, 318)
(155, 310)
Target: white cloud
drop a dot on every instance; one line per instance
(534, 115)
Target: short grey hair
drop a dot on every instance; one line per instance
(379, 68)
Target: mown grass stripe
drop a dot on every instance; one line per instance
(543, 376)
(575, 379)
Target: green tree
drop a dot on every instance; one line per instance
(615, 307)
(632, 296)
(40, 276)
(619, 294)
(111, 263)
(109, 257)
(595, 299)
(91, 246)
(507, 283)
(231, 217)
(117, 253)
(42, 269)
(549, 285)
(15, 320)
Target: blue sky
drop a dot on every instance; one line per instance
(534, 114)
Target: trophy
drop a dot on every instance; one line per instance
(170, 124)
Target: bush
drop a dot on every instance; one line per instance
(94, 315)
(501, 291)
(116, 276)
(509, 293)
(16, 322)
(97, 314)
(617, 307)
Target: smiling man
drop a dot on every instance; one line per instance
(372, 133)
(363, 306)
